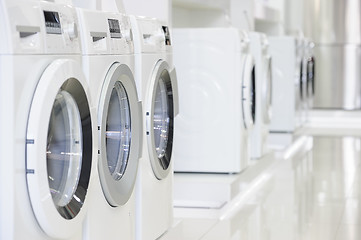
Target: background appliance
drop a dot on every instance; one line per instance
(157, 88)
(108, 62)
(50, 131)
(259, 135)
(285, 85)
(335, 27)
(217, 99)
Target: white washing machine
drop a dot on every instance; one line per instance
(157, 88)
(108, 62)
(50, 132)
(217, 99)
(259, 135)
(286, 84)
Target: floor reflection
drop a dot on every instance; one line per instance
(313, 195)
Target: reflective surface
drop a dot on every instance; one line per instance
(337, 77)
(313, 193)
(333, 21)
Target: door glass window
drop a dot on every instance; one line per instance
(161, 118)
(118, 131)
(253, 93)
(301, 80)
(269, 79)
(64, 149)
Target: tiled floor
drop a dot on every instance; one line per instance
(315, 194)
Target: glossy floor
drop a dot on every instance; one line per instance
(314, 193)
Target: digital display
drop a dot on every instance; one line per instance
(52, 22)
(114, 28)
(166, 35)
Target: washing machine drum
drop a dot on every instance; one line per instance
(120, 134)
(160, 112)
(59, 149)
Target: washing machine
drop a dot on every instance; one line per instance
(217, 99)
(259, 135)
(49, 149)
(157, 87)
(286, 99)
(108, 63)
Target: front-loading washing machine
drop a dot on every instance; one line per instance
(50, 132)
(286, 84)
(157, 88)
(108, 62)
(217, 99)
(259, 135)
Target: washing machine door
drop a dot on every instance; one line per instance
(249, 92)
(120, 134)
(301, 77)
(310, 76)
(267, 90)
(161, 108)
(59, 149)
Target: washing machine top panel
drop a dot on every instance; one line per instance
(61, 28)
(35, 27)
(105, 33)
(59, 149)
(160, 109)
(20, 27)
(149, 35)
(120, 129)
(94, 32)
(120, 34)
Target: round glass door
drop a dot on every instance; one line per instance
(160, 120)
(310, 76)
(59, 149)
(120, 134)
(253, 94)
(64, 149)
(249, 92)
(69, 142)
(118, 131)
(301, 80)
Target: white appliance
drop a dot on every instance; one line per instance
(50, 132)
(259, 135)
(108, 62)
(286, 84)
(157, 88)
(216, 99)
